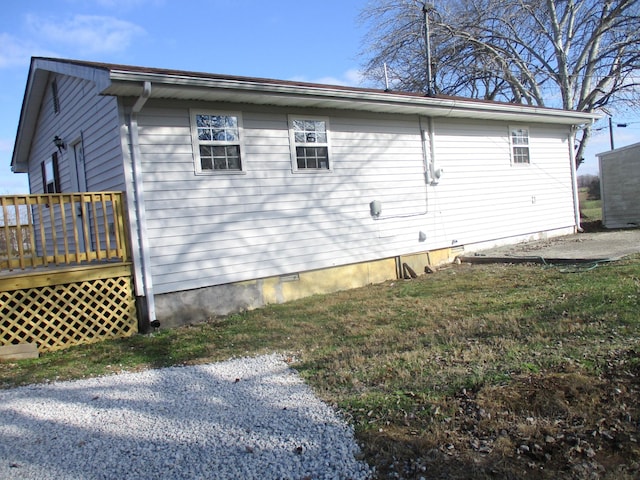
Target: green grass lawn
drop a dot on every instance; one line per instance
(483, 371)
(590, 210)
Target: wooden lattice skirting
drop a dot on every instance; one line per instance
(57, 309)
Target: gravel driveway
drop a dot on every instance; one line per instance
(250, 418)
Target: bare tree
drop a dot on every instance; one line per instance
(579, 55)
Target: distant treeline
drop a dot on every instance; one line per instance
(592, 183)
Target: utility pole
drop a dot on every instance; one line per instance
(611, 133)
(621, 125)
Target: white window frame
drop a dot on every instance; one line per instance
(51, 174)
(217, 143)
(293, 144)
(513, 145)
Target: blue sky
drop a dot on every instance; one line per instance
(283, 39)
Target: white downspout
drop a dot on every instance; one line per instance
(140, 205)
(434, 173)
(574, 178)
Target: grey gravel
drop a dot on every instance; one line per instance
(245, 418)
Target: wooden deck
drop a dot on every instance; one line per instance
(65, 270)
(61, 229)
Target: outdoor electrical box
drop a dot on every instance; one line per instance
(376, 208)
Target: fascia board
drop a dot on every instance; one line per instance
(328, 97)
(28, 117)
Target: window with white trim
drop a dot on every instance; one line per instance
(520, 154)
(309, 140)
(217, 142)
(50, 175)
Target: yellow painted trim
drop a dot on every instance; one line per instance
(291, 287)
(294, 286)
(47, 277)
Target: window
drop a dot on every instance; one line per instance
(217, 142)
(50, 175)
(520, 146)
(309, 138)
(54, 97)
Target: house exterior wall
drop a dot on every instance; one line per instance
(619, 179)
(209, 230)
(210, 244)
(483, 197)
(85, 117)
(87, 123)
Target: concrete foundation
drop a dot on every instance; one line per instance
(203, 304)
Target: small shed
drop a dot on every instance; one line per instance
(619, 180)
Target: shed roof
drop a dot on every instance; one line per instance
(614, 153)
(129, 81)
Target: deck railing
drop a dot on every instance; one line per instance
(61, 229)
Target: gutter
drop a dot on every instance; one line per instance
(328, 96)
(141, 216)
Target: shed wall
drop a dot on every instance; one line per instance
(619, 180)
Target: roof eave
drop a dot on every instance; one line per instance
(39, 72)
(125, 83)
(28, 116)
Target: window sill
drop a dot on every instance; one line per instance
(216, 173)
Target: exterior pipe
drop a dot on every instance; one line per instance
(139, 206)
(574, 178)
(427, 158)
(433, 171)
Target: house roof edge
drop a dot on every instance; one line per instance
(126, 80)
(39, 70)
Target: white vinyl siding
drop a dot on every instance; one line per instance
(210, 230)
(481, 198)
(89, 117)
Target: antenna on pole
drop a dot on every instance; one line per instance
(426, 8)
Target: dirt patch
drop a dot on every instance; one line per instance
(557, 425)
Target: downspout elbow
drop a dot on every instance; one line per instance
(142, 99)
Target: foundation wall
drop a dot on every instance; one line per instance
(203, 304)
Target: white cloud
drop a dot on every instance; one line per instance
(6, 145)
(89, 34)
(352, 78)
(15, 52)
(119, 5)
